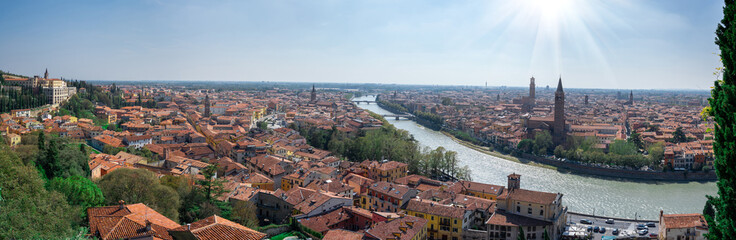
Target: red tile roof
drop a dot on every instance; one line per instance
(502, 218)
(388, 230)
(217, 228)
(127, 221)
(692, 220)
(340, 234)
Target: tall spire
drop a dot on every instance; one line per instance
(207, 112)
(559, 85)
(46, 74)
(313, 96)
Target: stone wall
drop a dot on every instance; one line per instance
(683, 176)
(277, 230)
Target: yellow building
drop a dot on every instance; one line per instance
(295, 179)
(13, 139)
(444, 221)
(385, 170)
(386, 197)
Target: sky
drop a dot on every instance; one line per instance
(616, 44)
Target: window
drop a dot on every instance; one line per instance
(455, 221)
(518, 208)
(432, 217)
(529, 210)
(541, 212)
(454, 229)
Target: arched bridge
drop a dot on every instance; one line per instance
(363, 101)
(399, 116)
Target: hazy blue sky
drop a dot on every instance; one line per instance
(592, 44)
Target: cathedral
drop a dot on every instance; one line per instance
(554, 123)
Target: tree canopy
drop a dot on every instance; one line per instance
(79, 191)
(29, 211)
(140, 186)
(720, 210)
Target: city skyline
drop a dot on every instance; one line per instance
(611, 45)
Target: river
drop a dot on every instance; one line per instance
(583, 194)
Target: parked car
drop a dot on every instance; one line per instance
(586, 221)
(643, 231)
(615, 231)
(596, 229)
(603, 230)
(653, 235)
(651, 224)
(641, 227)
(609, 221)
(590, 228)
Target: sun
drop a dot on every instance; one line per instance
(549, 9)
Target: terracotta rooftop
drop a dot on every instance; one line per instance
(405, 227)
(340, 234)
(502, 218)
(530, 196)
(216, 227)
(692, 220)
(128, 221)
(434, 208)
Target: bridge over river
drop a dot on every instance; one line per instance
(399, 116)
(363, 101)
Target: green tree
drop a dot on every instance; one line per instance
(721, 217)
(679, 136)
(27, 209)
(622, 147)
(521, 235)
(71, 161)
(213, 187)
(543, 143)
(244, 212)
(635, 138)
(191, 197)
(545, 235)
(140, 186)
(446, 101)
(41, 141)
(656, 153)
(79, 191)
(262, 125)
(525, 145)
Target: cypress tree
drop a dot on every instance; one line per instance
(41, 142)
(521, 235)
(721, 217)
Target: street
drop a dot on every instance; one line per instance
(627, 227)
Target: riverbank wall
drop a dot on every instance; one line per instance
(614, 218)
(624, 173)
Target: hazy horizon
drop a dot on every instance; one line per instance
(621, 44)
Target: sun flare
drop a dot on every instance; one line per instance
(549, 9)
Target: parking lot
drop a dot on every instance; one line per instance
(627, 227)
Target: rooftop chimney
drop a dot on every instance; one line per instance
(148, 226)
(122, 204)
